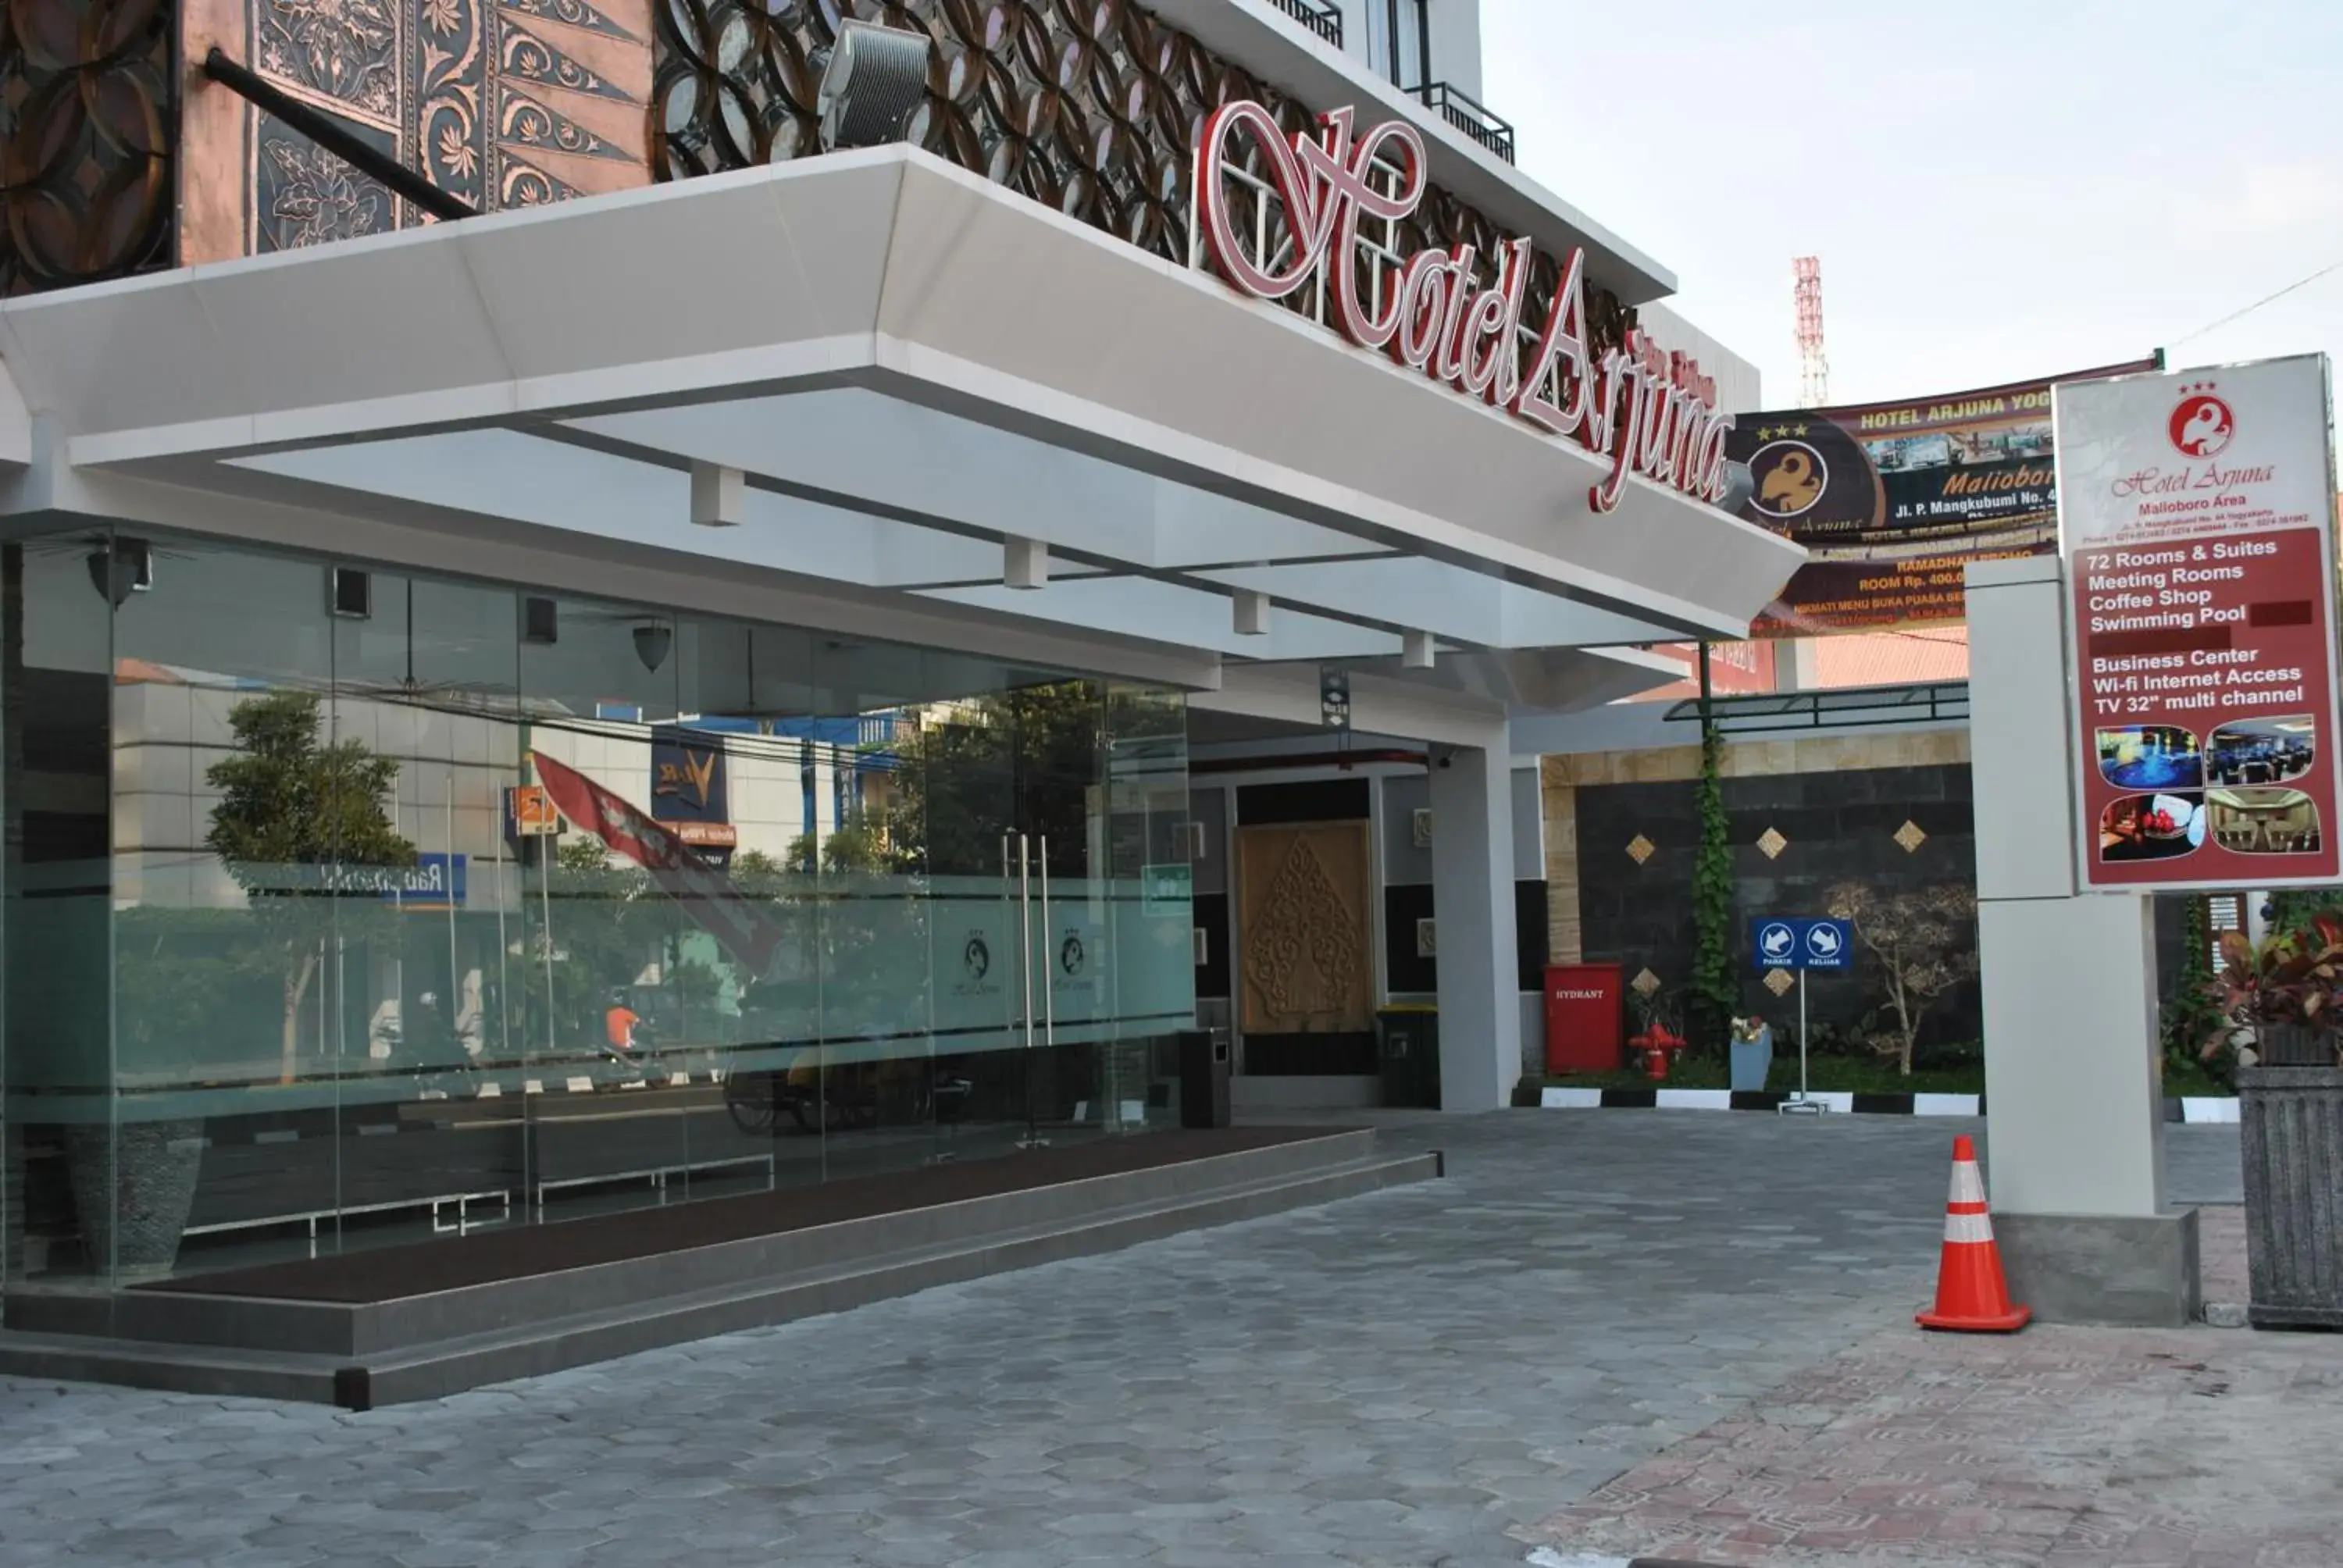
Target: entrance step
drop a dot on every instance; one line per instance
(358, 1355)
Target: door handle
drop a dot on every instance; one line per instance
(1025, 927)
(1048, 976)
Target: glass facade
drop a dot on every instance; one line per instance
(346, 908)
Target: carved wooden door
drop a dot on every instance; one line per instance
(1305, 922)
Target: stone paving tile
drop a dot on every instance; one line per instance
(1410, 1378)
(2058, 1448)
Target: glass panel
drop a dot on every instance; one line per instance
(224, 832)
(1151, 876)
(340, 1001)
(1409, 69)
(746, 982)
(879, 1066)
(610, 1074)
(1059, 735)
(951, 813)
(424, 744)
(58, 1164)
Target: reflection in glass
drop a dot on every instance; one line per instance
(346, 908)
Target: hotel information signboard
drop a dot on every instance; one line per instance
(2197, 523)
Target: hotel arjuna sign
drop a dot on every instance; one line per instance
(1313, 216)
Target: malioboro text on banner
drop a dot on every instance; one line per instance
(2196, 519)
(1893, 499)
(1334, 224)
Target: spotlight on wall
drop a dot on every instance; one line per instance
(1740, 483)
(121, 568)
(652, 639)
(875, 78)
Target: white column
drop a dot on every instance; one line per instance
(1473, 900)
(2074, 1111)
(2069, 980)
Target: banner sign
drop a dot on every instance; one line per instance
(2196, 518)
(688, 782)
(1168, 891)
(1778, 944)
(1339, 201)
(1735, 669)
(1893, 499)
(434, 882)
(529, 813)
(707, 895)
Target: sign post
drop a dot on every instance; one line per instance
(2197, 520)
(1797, 945)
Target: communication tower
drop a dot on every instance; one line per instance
(1813, 365)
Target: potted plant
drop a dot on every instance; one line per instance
(1752, 1053)
(2278, 1015)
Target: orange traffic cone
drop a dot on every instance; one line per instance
(1971, 1296)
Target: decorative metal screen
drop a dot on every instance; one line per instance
(88, 125)
(1090, 106)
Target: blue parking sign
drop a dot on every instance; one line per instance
(1780, 943)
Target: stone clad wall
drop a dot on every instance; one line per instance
(1623, 828)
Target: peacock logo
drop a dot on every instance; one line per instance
(2202, 425)
(1790, 478)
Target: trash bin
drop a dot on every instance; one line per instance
(1409, 1045)
(1203, 1078)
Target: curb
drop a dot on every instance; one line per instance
(2194, 1112)
(1547, 1557)
(1840, 1102)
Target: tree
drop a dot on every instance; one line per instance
(1925, 942)
(1713, 990)
(852, 847)
(291, 808)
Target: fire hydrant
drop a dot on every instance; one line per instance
(1657, 1045)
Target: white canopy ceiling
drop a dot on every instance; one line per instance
(909, 366)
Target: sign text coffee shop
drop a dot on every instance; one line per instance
(637, 643)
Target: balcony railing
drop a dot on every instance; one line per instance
(1319, 16)
(1468, 118)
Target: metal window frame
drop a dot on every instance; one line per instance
(1848, 707)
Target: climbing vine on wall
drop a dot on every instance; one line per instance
(2190, 1015)
(1712, 992)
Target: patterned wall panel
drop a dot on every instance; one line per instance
(1308, 963)
(1090, 106)
(503, 103)
(88, 124)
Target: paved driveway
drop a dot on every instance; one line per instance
(1402, 1379)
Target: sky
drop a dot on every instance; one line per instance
(1997, 190)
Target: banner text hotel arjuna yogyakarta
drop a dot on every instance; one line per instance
(1649, 412)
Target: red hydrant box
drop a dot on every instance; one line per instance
(1586, 1018)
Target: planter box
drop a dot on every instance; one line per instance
(2293, 1136)
(1751, 1062)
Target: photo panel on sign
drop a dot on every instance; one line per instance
(2251, 751)
(2151, 826)
(2264, 822)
